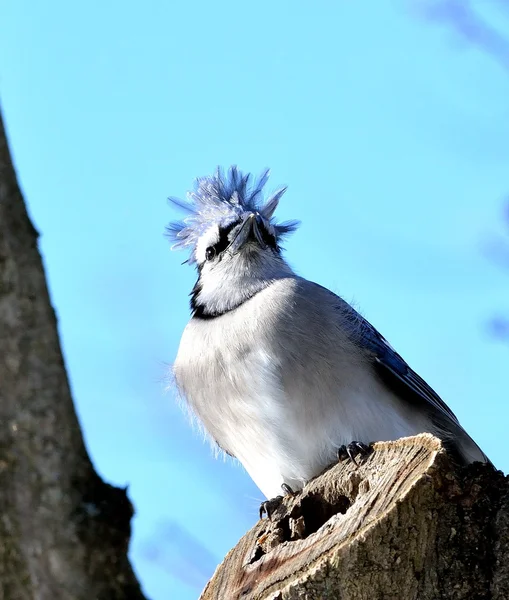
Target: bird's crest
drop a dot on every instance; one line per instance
(222, 199)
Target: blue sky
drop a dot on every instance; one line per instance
(389, 123)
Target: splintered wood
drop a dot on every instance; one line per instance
(405, 524)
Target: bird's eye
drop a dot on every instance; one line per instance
(210, 252)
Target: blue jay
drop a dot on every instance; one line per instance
(280, 371)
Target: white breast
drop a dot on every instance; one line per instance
(282, 398)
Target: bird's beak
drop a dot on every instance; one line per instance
(249, 230)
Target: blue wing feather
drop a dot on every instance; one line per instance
(388, 360)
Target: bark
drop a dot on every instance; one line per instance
(407, 524)
(64, 532)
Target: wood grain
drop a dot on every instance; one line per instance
(406, 524)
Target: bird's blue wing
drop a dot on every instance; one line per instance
(390, 366)
(388, 360)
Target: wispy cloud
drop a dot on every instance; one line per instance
(462, 17)
(496, 248)
(175, 550)
(498, 327)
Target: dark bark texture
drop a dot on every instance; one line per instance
(406, 525)
(64, 532)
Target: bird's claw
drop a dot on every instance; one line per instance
(269, 506)
(352, 450)
(287, 489)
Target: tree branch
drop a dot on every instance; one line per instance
(63, 531)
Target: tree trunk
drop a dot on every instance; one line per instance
(407, 524)
(63, 531)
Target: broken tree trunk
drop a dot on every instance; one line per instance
(63, 531)
(407, 524)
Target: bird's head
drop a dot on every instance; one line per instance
(232, 238)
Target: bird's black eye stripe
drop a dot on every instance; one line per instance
(223, 242)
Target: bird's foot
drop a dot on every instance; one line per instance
(287, 489)
(352, 450)
(269, 506)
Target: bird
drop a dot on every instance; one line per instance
(280, 372)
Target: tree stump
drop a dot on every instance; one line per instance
(406, 524)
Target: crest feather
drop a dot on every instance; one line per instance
(222, 199)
